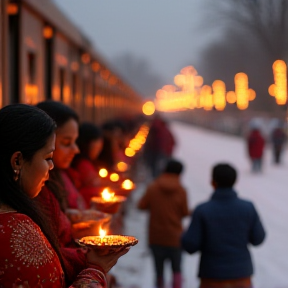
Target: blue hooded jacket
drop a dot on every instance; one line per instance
(221, 230)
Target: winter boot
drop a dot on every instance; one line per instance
(177, 280)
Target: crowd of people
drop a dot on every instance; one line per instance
(256, 144)
(50, 164)
(220, 229)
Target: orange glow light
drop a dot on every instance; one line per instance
(148, 108)
(48, 32)
(114, 177)
(122, 166)
(74, 66)
(231, 97)
(85, 58)
(129, 152)
(219, 92)
(12, 9)
(103, 173)
(241, 90)
(271, 90)
(280, 79)
(107, 196)
(252, 94)
(127, 184)
(95, 66)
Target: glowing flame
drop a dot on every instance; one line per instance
(114, 177)
(106, 195)
(103, 173)
(122, 166)
(102, 232)
(127, 184)
(129, 152)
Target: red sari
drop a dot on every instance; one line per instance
(74, 259)
(88, 179)
(27, 259)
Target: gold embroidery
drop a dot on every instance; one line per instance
(28, 245)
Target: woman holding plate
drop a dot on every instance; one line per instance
(29, 254)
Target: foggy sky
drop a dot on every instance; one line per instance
(168, 33)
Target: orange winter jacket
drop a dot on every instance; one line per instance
(166, 200)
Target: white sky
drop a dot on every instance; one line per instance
(168, 33)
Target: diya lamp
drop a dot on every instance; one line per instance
(108, 202)
(107, 243)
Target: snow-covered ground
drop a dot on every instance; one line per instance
(200, 150)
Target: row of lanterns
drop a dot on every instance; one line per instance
(190, 93)
(279, 88)
(138, 141)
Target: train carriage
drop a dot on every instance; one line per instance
(44, 56)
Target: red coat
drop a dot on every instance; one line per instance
(90, 182)
(256, 144)
(74, 258)
(166, 200)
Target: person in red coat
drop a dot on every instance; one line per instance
(256, 145)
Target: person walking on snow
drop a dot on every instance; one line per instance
(166, 200)
(221, 230)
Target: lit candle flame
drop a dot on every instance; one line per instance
(127, 184)
(106, 195)
(102, 232)
(103, 173)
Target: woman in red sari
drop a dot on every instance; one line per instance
(29, 254)
(60, 184)
(90, 143)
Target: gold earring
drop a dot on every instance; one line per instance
(16, 175)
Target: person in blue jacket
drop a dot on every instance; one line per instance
(221, 230)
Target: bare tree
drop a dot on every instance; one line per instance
(266, 20)
(139, 74)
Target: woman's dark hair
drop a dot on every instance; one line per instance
(60, 113)
(87, 132)
(224, 175)
(26, 129)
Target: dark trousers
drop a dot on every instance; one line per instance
(257, 165)
(277, 153)
(162, 253)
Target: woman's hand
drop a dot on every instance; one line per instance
(105, 261)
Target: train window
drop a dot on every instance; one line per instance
(62, 82)
(48, 66)
(74, 89)
(31, 68)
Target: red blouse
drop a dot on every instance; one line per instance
(89, 178)
(27, 259)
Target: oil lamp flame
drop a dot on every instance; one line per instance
(102, 232)
(106, 195)
(127, 184)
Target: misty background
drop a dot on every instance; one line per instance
(148, 42)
